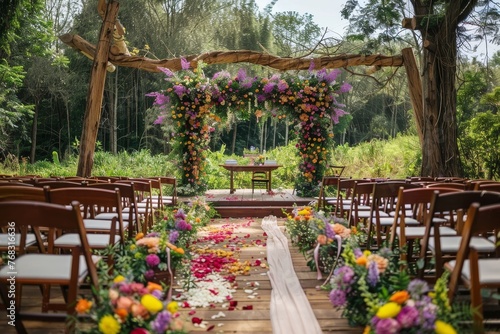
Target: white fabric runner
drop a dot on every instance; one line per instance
(290, 310)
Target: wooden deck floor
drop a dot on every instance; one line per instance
(237, 321)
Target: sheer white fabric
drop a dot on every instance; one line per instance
(290, 310)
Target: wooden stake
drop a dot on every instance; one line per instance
(96, 91)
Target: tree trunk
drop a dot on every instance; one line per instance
(113, 111)
(34, 130)
(95, 94)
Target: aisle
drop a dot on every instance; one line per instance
(250, 307)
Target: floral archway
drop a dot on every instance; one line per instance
(191, 103)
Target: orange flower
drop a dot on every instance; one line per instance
(362, 261)
(121, 312)
(322, 239)
(154, 286)
(83, 306)
(139, 235)
(400, 297)
(179, 250)
(382, 262)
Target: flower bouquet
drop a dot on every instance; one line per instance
(415, 309)
(151, 257)
(131, 307)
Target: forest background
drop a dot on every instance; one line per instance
(44, 86)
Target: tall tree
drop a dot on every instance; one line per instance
(440, 27)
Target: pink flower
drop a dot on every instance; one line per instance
(152, 260)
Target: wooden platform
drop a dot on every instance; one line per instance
(260, 203)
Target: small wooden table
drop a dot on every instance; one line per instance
(249, 168)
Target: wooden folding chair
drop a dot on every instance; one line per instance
(130, 212)
(412, 210)
(14, 192)
(93, 201)
(143, 192)
(452, 205)
(260, 177)
(169, 191)
(474, 272)
(68, 270)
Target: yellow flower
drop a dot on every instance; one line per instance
(173, 307)
(442, 327)
(151, 303)
(109, 325)
(389, 310)
(367, 330)
(118, 279)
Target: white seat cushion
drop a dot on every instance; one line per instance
(44, 267)
(111, 215)
(388, 221)
(418, 231)
(4, 239)
(451, 244)
(488, 270)
(99, 241)
(100, 224)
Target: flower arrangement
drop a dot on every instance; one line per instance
(192, 104)
(310, 229)
(362, 275)
(131, 307)
(260, 160)
(374, 292)
(151, 257)
(416, 309)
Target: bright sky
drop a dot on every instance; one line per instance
(326, 14)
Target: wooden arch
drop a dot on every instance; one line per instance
(111, 51)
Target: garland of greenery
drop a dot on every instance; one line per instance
(192, 104)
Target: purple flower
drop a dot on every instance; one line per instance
(160, 99)
(282, 85)
(373, 272)
(330, 77)
(182, 225)
(152, 260)
(185, 64)
(157, 293)
(149, 274)
(167, 72)
(161, 322)
(407, 317)
(418, 288)
(337, 297)
(174, 235)
(357, 253)
(268, 88)
(242, 75)
(345, 88)
(159, 120)
(180, 214)
(337, 114)
(329, 231)
(221, 74)
(180, 90)
(311, 66)
(152, 235)
(387, 326)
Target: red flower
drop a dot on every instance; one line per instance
(248, 307)
(196, 320)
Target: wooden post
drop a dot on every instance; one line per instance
(96, 91)
(415, 89)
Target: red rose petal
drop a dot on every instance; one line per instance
(192, 312)
(248, 307)
(210, 328)
(196, 320)
(233, 303)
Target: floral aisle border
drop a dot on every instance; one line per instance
(192, 104)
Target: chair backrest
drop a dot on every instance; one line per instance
(58, 184)
(52, 216)
(169, 182)
(454, 185)
(385, 194)
(480, 219)
(488, 186)
(16, 192)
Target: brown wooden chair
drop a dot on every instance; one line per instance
(412, 210)
(489, 186)
(93, 201)
(169, 192)
(67, 270)
(143, 192)
(260, 177)
(474, 272)
(33, 236)
(453, 205)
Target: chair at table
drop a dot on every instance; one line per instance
(260, 177)
(453, 205)
(67, 270)
(474, 272)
